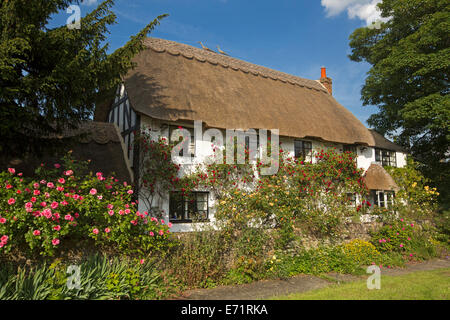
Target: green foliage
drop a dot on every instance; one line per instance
(199, 260)
(362, 252)
(408, 81)
(304, 193)
(249, 250)
(39, 216)
(52, 78)
(394, 237)
(101, 278)
(158, 173)
(407, 240)
(442, 222)
(415, 199)
(313, 261)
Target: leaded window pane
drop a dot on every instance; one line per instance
(303, 149)
(188, 208)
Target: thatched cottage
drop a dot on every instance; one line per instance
(175, 84)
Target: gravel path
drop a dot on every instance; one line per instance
(268, 288)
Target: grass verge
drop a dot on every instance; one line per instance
(423, 285)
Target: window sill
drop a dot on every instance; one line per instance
(189, 221)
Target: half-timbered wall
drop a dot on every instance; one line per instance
(126, 119)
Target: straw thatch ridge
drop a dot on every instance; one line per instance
(173, 82)
(189, 52)
(377, 178)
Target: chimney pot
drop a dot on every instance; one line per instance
(325, 81)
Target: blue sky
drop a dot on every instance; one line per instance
(293, 36)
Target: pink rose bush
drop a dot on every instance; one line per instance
(394, 237)
(61, 204)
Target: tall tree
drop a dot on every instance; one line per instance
(409, 80)
(52, 78)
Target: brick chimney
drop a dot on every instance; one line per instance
(325, 81)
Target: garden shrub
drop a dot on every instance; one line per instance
(360, 251)
(313, 261)
(395, 237)
(199, 260)
(416, 199)
(442, 233)
(406, 239)
(61, 203)
(249, 249)
(311, 194)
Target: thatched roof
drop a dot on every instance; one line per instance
(173, 81)
(377, 178)
(383, 143)
(101, 143)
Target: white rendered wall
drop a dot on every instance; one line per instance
(365, 157)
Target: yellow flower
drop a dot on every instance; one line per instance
(426, 188)
(271, 204)
(414, 184)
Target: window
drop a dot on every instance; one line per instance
(380, 201)
(386, 157)
(352, 199)
(384, 199)
(247, 142)
(390, 199)
(349, 148)
(191, 143)
(378, 198)
(188, 208)
(303, 149)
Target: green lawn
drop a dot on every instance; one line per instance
(424, 285)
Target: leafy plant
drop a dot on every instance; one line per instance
(394, 237)
(38, 216)
(100, 278)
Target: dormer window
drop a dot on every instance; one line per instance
(383, 198)
(386, 157)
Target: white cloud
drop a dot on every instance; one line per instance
(89, 2)
(362, 9)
